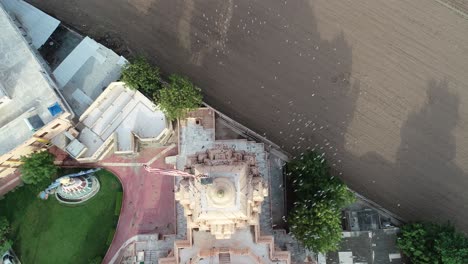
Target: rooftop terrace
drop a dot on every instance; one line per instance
(121, 113)
(25, 83)
(377, 246)
(242, 242)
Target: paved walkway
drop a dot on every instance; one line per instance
(9, 183)
(148, 200)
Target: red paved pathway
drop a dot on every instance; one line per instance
(148, 198)
(9, 182)
(148, 201)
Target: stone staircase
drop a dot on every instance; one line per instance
(151, 256)
(224, 258)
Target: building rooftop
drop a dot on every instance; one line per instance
(25, 83)
(370, 238)
(120, 113)
(242, 240)
(38, 25)
(82, 68)
(371, 247)
(86, 72)
(224, 211)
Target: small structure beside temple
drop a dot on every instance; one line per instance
(117, 122)
(223, 213)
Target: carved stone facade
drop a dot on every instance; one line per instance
(224, 212)
(226, 193)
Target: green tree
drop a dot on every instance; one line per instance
(5, 242)
(453, 246)
(414, 243)
(317, 226)
(315, 219)
(142, 76)
(38, 167)
(311, 179)
(433, 243)
(178, 97)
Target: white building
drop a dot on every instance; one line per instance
(38, 103)
(115, 122)
(31, 109)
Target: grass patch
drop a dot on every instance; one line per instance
(118, 203)
(50, 232)
(110, 237)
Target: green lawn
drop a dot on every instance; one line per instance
(48, 232)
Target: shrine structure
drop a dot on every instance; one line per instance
(223, 209)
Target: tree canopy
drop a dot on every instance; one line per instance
(37, 167)
(178, 97)
(433, 243)
(315, 219)
(318, 226)
(5, 242)
(142, 76)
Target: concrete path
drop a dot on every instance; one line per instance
(148, 204)
(379, 85)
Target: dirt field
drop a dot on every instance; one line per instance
(381, 86)
(461, 5)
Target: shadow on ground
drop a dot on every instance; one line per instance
(425, 163)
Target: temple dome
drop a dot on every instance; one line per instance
(221, 193)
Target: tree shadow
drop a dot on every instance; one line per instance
(424, 183)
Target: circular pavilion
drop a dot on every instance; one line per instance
(75, 190)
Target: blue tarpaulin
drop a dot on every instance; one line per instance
(55, 109)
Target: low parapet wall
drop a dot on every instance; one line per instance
(96, 188)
